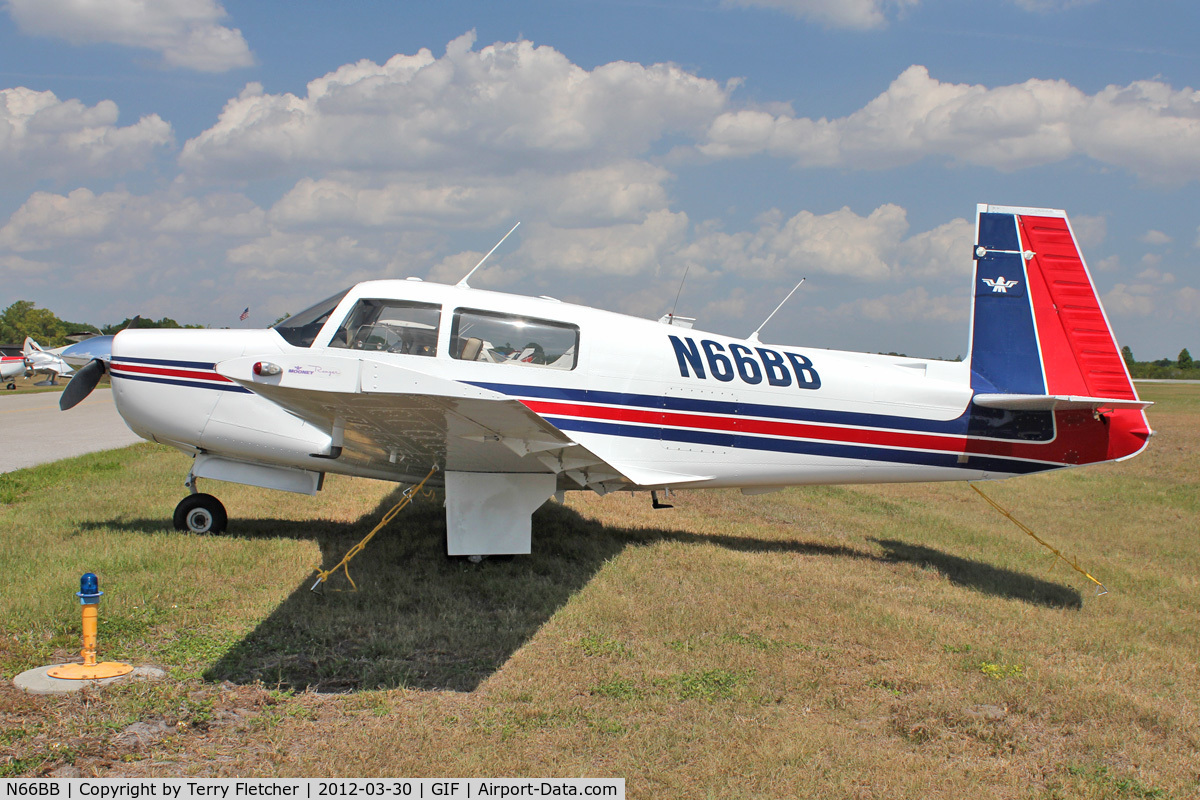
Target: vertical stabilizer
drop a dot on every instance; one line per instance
(1037, 326)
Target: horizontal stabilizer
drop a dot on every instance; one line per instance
(1053, 402)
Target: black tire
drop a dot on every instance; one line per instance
(200, 513)
(11, 387)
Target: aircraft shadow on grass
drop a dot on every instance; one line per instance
(422, 620)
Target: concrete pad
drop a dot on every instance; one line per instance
(37, 432)
(38, 681)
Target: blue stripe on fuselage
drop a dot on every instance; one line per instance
(162, 362)
(957, 426)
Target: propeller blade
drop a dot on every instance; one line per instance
(82, 384)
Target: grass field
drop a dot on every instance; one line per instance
(870, 641)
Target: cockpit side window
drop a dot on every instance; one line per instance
(392, 326)
(508, 339)
(301, 329)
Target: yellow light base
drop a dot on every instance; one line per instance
(84, 672)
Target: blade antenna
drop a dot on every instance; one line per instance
(754, 336)
(463, 283)
(679, 291)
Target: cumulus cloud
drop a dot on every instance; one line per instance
(620, 192)
(47, 220)
(41, 135)
(1146, 127)
(280, 255)
(1153, 294)
(840, 243)
(943, 252)
(1155, 237)
(505, 107)
(113, 250)
(1137, 300)
(623, 249)
(1050, 6)
(911, 305)
(1091, 231)
(186, 33)
(854, 14)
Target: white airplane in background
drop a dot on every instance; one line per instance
(12, 366)
(46, 362)
(514, 399)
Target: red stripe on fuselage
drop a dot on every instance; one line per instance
(168, 372)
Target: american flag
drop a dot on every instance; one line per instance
(245, 314)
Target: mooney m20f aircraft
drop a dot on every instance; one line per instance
(515, 399)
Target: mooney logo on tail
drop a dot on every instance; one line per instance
(1000, 285)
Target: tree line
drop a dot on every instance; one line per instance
(1182, 368)
(23, 318)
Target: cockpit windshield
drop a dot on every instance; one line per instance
(301, 329)
(394, 326)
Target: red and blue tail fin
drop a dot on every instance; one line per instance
(1040, 340)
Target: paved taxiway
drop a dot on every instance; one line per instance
(33, 431)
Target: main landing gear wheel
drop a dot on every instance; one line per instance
(12, 386)
(200, 513)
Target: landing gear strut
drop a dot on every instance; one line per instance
(200, 513)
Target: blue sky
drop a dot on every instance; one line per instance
(190, 158)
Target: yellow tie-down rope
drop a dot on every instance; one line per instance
(1071, 562)
(344, 564)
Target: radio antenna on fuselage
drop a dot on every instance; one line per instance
(680, 290)
(754, 336)
(463, 283)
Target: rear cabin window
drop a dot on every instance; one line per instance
(301, 329)
(507, 339)
(390, 326)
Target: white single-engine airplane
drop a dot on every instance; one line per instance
(48, 362)
(515, 399)
(12, 366)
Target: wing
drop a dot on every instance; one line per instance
(400, 421)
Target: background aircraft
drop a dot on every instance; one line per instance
(46, 362)
(508, 400)
(12, 365)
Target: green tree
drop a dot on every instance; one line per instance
(138, 322)
(1185, 359)
(23, 319)
(1127, 354)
